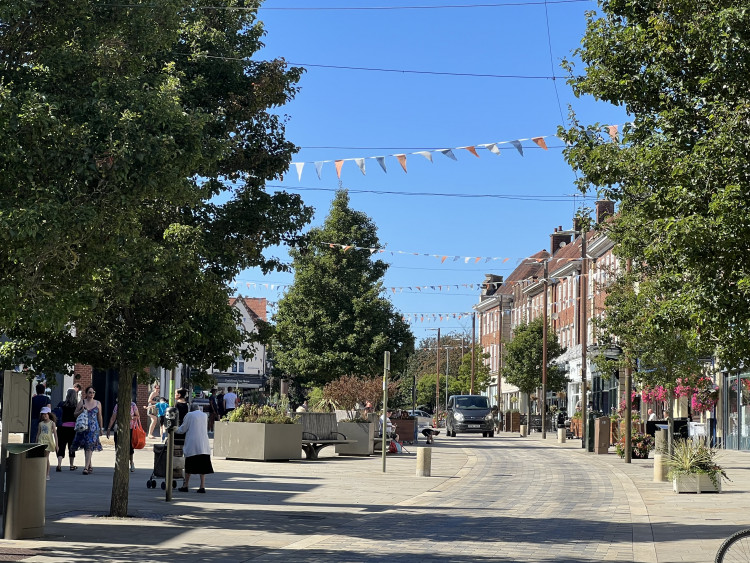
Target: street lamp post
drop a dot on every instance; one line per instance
(544, 353)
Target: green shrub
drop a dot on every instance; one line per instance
(264, 415)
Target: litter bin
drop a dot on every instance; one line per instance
(601, 435)
(590, 431)
(26, 487)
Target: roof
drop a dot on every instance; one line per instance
(256, 305)
(533, 266)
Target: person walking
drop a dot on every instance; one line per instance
(66, 432)
(197, 449)
(47, 433)
(38, 401)
(220, 403)
(150, 407)
(88, 440)
(112, 424)
(214, 415)
(230, 401)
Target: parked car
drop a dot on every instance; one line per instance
(469, 413)
(424, 419)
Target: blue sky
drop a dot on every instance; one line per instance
(355, 114)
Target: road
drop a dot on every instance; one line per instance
(489, 499)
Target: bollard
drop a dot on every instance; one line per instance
(524, 430)
(561, 435)
(660, 468)
(424, 461)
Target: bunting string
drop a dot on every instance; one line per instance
(495, 148)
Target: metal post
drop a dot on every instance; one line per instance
(473, 351)
(386, 369)
(169, 477)
(584, 330)
(437, 381)
(628, 396)
(447, 363)
(544, 352)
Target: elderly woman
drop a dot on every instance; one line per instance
(197, 450)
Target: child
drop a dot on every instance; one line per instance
(161, 410)
(47, 433)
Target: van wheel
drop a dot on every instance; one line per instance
(492, 434)
(484, 434)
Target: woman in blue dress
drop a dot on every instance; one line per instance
(88, 441)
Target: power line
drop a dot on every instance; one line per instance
(376, 69)
(518, 197)
(353, 8)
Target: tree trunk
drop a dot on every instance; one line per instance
(121, 480)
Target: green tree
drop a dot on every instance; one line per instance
(335, 320)
(655, 344)
(482, 377)
(136, 141)
(522, 365)
(679, 169)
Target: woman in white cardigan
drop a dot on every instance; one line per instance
(197, 450)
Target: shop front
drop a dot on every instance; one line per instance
(736, 401)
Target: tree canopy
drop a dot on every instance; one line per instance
(135, 143)
(522, 364)
(334, 320)
(679, 168)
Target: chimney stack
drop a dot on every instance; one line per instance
(557, 240)
(604, 209)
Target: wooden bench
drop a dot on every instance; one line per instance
(319, 430)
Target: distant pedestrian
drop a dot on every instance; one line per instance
(214, 408)
(66, 432)
(161, 410)
(220, 403)
(79, 390)
(230, 401)
(197, 449)
(47, 433)
(88, 440)
(651, 414)
(150, 407)
(38, 401)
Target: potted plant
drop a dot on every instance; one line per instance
(259, 433)
(693, 468)
(640, 445)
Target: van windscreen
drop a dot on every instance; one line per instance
(474, 402)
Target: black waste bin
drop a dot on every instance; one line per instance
(590, 431)
(26, 486)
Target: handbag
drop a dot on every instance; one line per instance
(138, 436)
(82, 422)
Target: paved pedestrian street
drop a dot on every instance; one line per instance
(489, 499)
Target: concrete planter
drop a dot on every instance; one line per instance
(696, 483)
(363, 432)
(257, 442)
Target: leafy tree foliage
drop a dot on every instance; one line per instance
(680, 169)
(522, 364)
(334, 320)
(136, 141)
(348, 391)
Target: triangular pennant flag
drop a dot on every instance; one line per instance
(339, 164)
(540, 141)
(361, 163)
(472, 150)
(318, 167)
(426, 154)
(248, 285)
(493, 149)
(477, 259)
(443, 259)
(373, 250)
(381, 161)
(448, 153)
(466, 260)
(612, 129)
(299, 166)
(402, 160)
(505, 260)
(347, 248)
(518, 146)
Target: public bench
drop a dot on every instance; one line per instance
(320, 430)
